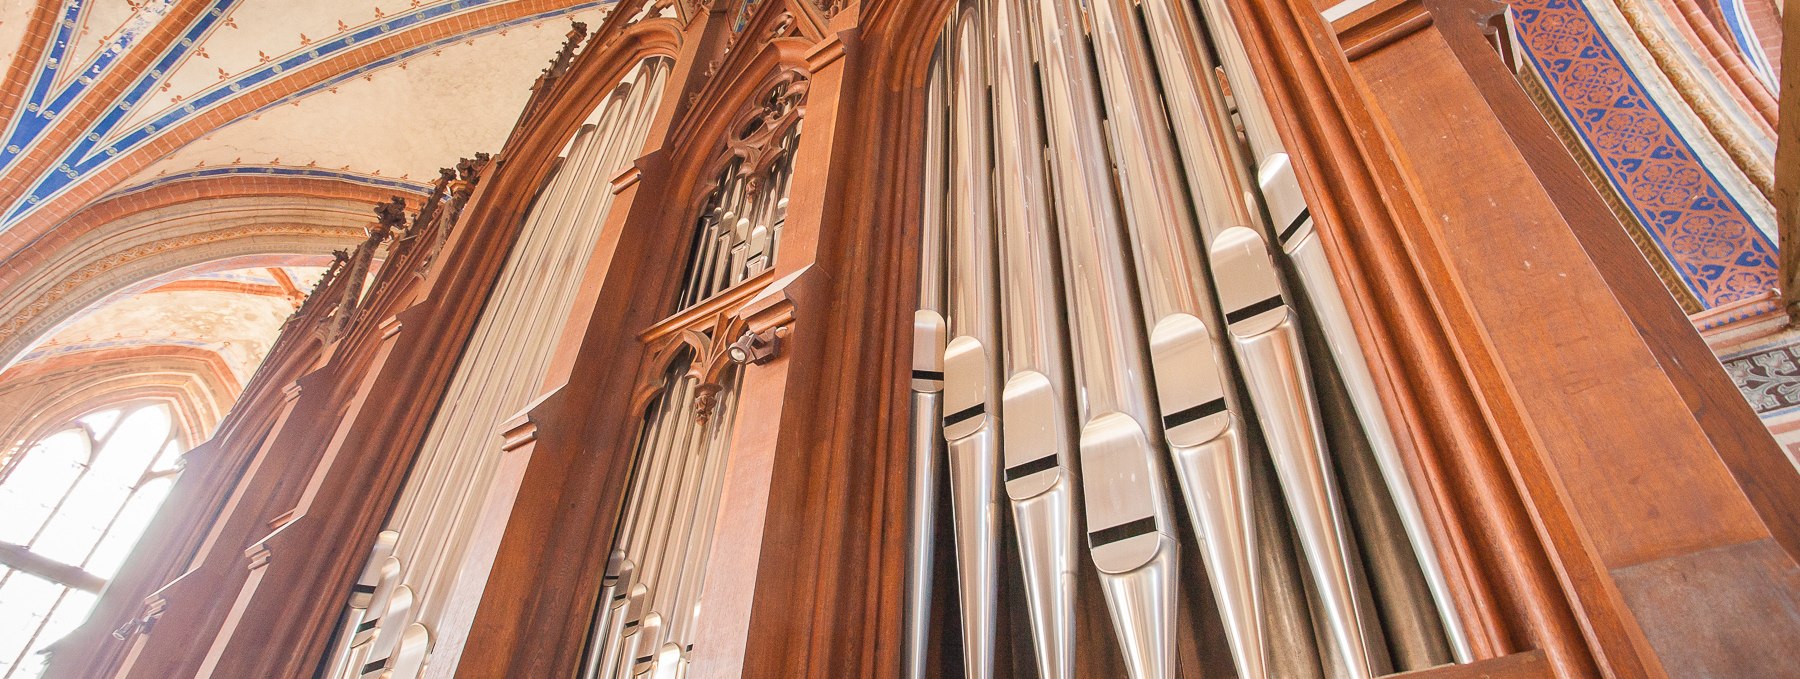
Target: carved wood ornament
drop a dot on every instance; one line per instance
(712, 327)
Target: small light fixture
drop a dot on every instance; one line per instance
(752, 348)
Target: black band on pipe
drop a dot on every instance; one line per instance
(1022, 470)
(965, 414)
(1251, 311)
(1123, 531)
(1182, 417)
(1299, 221)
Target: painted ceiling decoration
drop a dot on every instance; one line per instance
(143, 111)
(1704, 215)
(175, 173)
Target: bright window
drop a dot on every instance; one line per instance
(71, 507)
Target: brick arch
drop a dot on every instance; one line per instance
(40, 397)
(132, 238)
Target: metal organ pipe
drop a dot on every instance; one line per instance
(927, 381)
(971, 370)
(739, 228)
(562, 249)
(436, 514)
(621, 569)
(1091, 176)
(644, 626)
(648, 548)
(1192, 370)
(664, 535)
(1265, 331)
(685, 611)
(1038, 435)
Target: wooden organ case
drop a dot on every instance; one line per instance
(1201, 382)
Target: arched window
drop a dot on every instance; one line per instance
(74, 503)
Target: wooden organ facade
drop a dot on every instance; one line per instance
(987, 338)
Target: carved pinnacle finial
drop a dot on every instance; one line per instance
(560, 64)
(391, 216)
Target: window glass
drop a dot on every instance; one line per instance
(74, 505)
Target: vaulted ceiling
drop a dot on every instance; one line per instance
(170, 170)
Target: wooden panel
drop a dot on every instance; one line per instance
(1726, 612)
(1527, 665)
(1591, 390)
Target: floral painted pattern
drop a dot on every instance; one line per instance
(1700, 228)
(1769, 378)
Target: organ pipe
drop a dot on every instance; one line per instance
(644, 623)
(650, 599)
(437, 513)
(1038, 435)
(927, 382)
(1131, 539)
(1192, 371)
(1265, 332)
(739, 231)
(971, 373)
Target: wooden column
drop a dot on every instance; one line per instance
(1787, 163)
(1602, 491)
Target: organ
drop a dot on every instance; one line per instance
(995, 338)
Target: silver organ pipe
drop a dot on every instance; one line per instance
(971, 371)
(1091, 176)
(1038, 435)
(1192, 371)
(1131, 538)
(739, 229)
(1290, 224)
(1265, 331)
(927, 383)
(617, 616)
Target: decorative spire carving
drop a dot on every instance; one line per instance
(390, 217)
(560, 63)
